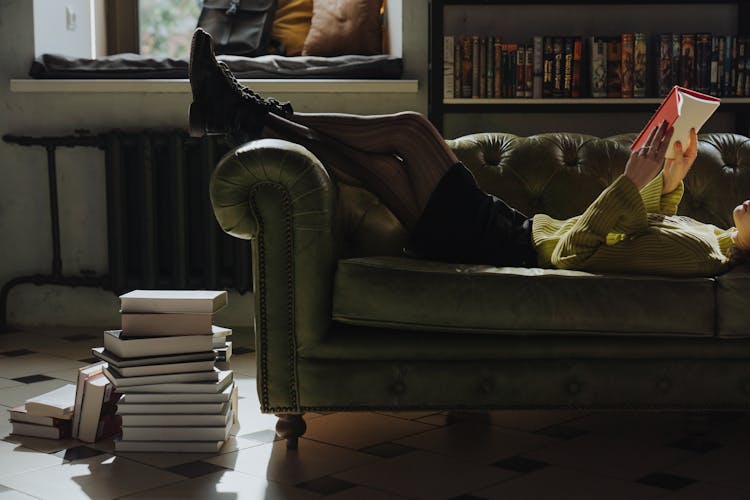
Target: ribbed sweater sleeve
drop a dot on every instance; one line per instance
(619, 208)
(656, 202)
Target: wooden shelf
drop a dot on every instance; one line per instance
(461, 9)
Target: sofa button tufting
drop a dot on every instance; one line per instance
(398, 387)
(574, 387)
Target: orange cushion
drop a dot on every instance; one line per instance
(340, 27)
(291, 24)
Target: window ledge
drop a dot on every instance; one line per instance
(304, 86)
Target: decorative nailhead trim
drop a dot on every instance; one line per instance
(263, 312)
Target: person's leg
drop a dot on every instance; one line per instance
(408, 136)
(399, 157)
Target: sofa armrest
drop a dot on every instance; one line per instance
(278, 194)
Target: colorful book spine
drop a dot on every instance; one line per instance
(627, 41)
(703, 62)
(466, 66)
(457, 67)
(676, 57)
(520, 90)
(640, 65)
(538, 67)
(614, 61)
(528, 77)
(576, 84)
(716, 62)
(482, 67)
(475, 67)
(568, 68)
(548, 60)
(687, 60)
(448, 67)
(664, 70)
(498, 63)
(598, 66)
(490, 50)
(741, 67)
(558, 66)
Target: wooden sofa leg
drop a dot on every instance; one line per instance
(290, 426)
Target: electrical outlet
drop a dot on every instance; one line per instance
(70, 18)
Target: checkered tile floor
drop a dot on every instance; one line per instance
(503, 454)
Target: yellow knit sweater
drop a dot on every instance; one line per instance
(628, 231)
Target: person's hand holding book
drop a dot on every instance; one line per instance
(675, 169)
(645, 162)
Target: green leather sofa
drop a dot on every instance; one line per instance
(345, 322)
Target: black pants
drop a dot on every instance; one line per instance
(463, 224)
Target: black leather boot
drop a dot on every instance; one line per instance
(221, 104)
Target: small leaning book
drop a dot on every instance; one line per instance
(683, 109)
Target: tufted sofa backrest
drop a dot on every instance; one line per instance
(560, 174)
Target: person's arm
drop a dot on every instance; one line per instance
(619, 208)
(657, 201)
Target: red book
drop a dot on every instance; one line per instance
(683, 109)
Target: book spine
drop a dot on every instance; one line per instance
(614, 47)
(664, 71)
(475, 67)
(482, 67)
(703, 62)
(741, 69)
(721, 73)
(687, 60)
(640, 65)
(598, 67)
(448, 67)
(505, 65)
(727, 82)
(538, 68)
(676, 58)
(528, 77)
(733, 77)
(498, 62)
(520, 71)
(558, 66)
(715, 77)
(457, 67)
(576, 84)
(490, 50)
(626, 64)
(568, 68)
(548, 60)
(746, 91)
(466, 69)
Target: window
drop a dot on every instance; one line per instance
(166, 26)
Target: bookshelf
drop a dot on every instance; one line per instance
(523, 19)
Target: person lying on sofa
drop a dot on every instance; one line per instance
(631, 227)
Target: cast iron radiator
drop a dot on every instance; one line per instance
(161, 229)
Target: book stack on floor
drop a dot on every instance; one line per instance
(162, 362)
(48, 415)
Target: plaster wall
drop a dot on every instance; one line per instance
(25, 244)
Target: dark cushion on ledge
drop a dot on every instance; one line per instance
(378, 67)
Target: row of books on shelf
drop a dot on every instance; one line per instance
(628, 65)
(156, 385)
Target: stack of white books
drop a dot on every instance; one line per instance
(162, 362)
(48, 415)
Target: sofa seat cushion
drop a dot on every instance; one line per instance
(399, 292)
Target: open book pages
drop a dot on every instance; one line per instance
(58, 403)
(683, 109)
